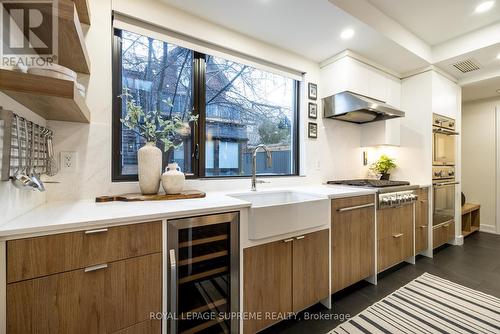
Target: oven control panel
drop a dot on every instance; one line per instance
(443, 172)
(394, 199)
(444, 122)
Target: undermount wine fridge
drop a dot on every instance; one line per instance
(203, 274)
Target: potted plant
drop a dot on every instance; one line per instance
(383, 166)
(154, 128)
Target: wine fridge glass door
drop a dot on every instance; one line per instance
(203, 272)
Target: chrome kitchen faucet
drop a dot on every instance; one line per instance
(269, 159)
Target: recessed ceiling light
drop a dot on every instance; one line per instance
(484, 6)
(347, 33)
(498, 56)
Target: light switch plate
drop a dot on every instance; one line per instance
(69, 162)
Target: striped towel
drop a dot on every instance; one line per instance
(429, 304)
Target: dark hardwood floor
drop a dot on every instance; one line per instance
(476, 264)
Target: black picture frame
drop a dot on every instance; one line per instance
(312, 130)
(312, 91)
(312, 110)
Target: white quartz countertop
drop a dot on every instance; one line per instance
(59, 217)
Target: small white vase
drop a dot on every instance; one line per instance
(173, 179)
(149, 160)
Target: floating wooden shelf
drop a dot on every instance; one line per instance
(52, 99)
(72, 51)
(471, 218)
(82, 7)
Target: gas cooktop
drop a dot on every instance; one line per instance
(389, 193)
(372, 183)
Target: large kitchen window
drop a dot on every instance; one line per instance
(221, 109)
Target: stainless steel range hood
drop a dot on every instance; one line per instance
(355, 108)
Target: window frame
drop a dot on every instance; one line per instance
(199, 135)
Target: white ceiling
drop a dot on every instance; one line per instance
(437, 21)
(486, 58)
(481, 89)
(307, 27)
(311, 28)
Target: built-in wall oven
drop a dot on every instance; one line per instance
(444, 194)
(203, 273)
(444, 134)
(443, 170)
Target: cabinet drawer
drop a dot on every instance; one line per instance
(352, 202)
(104, 300)
(393, 250)
(392, 221)
(41, 256)
(442, 234)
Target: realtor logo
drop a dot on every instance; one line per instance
(29, 32)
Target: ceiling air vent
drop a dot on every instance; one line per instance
(466, 66)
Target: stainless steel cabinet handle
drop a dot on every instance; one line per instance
(95, 268)
(173, 290)
(102, 230)
(356, 207)
(301, 237)
(424, 226)
(398, 235)
(288, 240)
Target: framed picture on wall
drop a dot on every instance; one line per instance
(313, 130)
(313, 91)
(313, 110)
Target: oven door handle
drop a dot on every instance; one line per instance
(446, 132)
(444, 184)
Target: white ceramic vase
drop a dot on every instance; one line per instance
(173, 179)
(150, 161)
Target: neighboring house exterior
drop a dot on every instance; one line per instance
(228, 137)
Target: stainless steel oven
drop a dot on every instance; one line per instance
(443, 146)
(444, 194)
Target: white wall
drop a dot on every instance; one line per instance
(422, 95)
(416, 129)
(335, 153)
(479, 152)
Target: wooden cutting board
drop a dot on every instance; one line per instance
(186, 194)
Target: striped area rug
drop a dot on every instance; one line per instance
(428, 304)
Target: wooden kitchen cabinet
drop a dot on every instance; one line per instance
(395, 233)
(71, 302)
(115, 296)
(442, 234)
(267, 285)
(46, 255)
(310, 269)
(284, 276)
(353, 240)
(422, 221)
(132, 290)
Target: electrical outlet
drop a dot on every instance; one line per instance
(69, 162)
